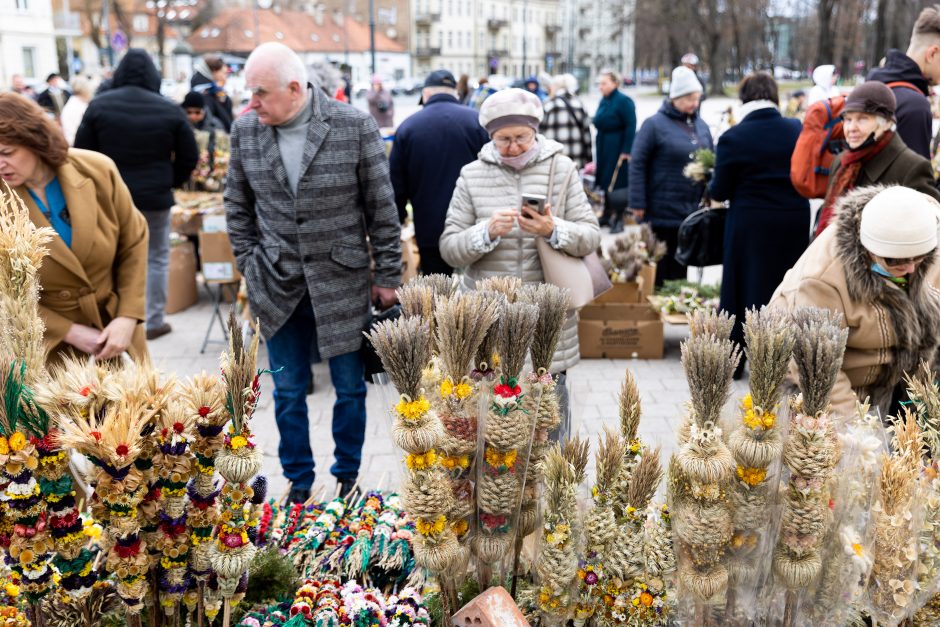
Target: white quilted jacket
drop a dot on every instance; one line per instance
(486, 185)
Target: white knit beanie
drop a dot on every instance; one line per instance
(683, 82)
(511, 107)
(900, 222)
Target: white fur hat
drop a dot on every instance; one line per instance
(899, 222)
(511, 107)
(683, 82)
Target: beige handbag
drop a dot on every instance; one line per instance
(584, 277)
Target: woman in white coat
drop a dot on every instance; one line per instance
(488, 232)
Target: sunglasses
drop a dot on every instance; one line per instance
(895, 262)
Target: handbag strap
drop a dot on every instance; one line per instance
(551, 177)
(613, 179)
(563, 195)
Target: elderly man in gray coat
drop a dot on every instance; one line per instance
(308, 191)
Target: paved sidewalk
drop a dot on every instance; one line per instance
(594, 385)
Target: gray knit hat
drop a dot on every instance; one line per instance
(511, 107)
(872, 97)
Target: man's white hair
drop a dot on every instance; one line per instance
(281, 61)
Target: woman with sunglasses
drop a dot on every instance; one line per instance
(490, 232)
(875, 153)
(875, 266)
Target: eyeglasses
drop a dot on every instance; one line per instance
(519, 140)
(895, 262)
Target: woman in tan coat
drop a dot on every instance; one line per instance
(874, 266)
(93, 281)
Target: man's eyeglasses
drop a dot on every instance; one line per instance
(519, 140)
(895, 262)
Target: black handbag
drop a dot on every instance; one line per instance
(701, 239)
(617, 200)
(370, 358)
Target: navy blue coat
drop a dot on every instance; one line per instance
(768, 223)
(430, 148)
(665, 144)
(615, 122)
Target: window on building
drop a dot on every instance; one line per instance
(141, 23)
(23, 5)
(450, 7)
(450, 39)
(29, 62)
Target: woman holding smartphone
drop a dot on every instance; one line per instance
(494, 219)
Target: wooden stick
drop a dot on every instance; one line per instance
(789, 610)
(226, 613)
(200, 602)
(515, 565)
(381, 483)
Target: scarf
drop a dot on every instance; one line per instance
(520, 161)
(878, 269)
(852, 162)
(755, 105)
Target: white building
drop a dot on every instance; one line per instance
(598, 34)
(517, 38)
(27, 40)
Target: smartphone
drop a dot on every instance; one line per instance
(535, 203)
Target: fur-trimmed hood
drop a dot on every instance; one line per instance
(914, 313)
(891, 329)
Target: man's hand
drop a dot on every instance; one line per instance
(116, 338)
(536, 223)
(83, 337)
(502, 222)
(384, 297)
(638, 214)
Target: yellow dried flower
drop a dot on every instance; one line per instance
(4, 446)
(751, 476)
(413, 410)
(12, 590)
(420, 462)
(239, 441)
(434, 528)
(17, 441)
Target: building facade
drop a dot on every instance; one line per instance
(27, 41)
(598, 34)
(514, 38)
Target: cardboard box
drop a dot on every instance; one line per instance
(648, 276)
(620, 332)
(622, 294)
(182, 291)
(218, 260)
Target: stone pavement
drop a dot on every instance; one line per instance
(594, 385)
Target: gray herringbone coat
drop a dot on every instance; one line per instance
(316, 242)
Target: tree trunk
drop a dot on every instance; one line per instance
(881, 33)
(825, 50)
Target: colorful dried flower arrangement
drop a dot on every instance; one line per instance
(810, 453)
(507, 435)
(238, 461)
(404, 347)
(756, 444)
(701, 474)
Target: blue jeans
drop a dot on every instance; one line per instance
(290, 352)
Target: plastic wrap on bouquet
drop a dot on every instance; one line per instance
(756, 443)
(897, 517)
(507, 434)
(702, 472)
(847, 551)
(811, 453)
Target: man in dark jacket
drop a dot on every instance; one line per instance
(430, 149)
(150, 140)
(54, 97)
(919, 67)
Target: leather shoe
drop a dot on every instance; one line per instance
(159, 331)
(297, 495)
(616, 227)
(347, 485)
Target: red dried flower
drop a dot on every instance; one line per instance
(122, 450)
(178, 427)
(204, 411)
(96, 435)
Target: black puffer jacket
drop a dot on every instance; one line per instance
(147, 136)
